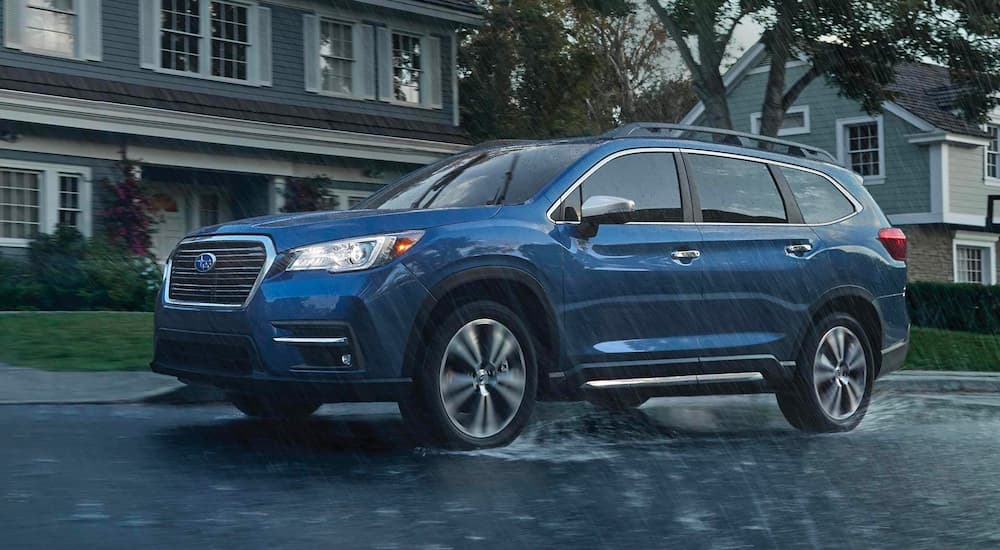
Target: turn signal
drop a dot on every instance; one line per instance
(894, 241)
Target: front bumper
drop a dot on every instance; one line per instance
(368, 315)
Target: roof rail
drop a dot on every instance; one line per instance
(724, 137)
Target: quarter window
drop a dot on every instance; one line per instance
(406, 67)
(736, 191)
(649, 179)
(819, 200)
(50, 25)
(336, 57)
(992, 152)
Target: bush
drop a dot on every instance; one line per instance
(965, 307)
(67, 272)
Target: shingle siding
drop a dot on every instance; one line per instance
(121, 61)
(907, 185)
(967, 190)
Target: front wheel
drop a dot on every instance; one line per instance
(833, 384)
(477, 385)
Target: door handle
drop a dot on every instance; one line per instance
(685, 254)
(798, 249)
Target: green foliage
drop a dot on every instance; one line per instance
(963, 307)
(66, 272)
(946, 350)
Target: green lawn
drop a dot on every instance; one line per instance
(98, 340)
(932, 349)
(109, 340)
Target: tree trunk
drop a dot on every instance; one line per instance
(712, 92)
(773, 112)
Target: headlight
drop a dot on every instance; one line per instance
(353, 254)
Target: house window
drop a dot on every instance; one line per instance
(69, 200)
(796, 122)
(863, 149)
(209, 210)
(50, 26)
(970, 264)
(201, 37)
(992, 151)
(406, 67)
(336, 51)
(20, 204)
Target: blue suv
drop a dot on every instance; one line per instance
(655, 260)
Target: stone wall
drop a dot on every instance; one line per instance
(929, 257)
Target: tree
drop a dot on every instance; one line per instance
(856, 44)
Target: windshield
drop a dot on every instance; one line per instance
(509, 175)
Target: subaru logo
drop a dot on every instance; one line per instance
(204, 262)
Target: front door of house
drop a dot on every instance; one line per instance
(170, 212)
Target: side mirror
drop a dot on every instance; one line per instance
(603, 209)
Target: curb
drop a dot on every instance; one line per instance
(183, 394)
(940, 382)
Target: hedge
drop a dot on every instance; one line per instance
(964, 307)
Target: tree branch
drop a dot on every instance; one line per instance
(675, 32)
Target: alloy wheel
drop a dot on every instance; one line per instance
(840, 373)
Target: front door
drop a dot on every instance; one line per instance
(170, 212)
(628, 300)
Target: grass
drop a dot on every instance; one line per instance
(947, 350)
(111, 340)
(78, 341)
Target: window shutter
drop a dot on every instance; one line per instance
(13, 23)
(363, 76)
(90, 30)
(149, 29)
(384, 50)
(310, 56)
(430, 77)
(264, 46)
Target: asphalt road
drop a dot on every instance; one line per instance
(920, 472)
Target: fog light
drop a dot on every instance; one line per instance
(345, 359)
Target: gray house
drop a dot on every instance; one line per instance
(930, 171)
(221, 101)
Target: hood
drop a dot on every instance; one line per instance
(300, 229)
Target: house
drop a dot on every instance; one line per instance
(221, 101)
(931, 172)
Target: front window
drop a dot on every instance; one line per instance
(406, 68)
(69, 200)
(20, 204)
(336, 50)
(509, 175)
(188, 26)
(992, 151)
(50, 26)
(863, 149)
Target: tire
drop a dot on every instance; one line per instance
(462, 397)
(272, 408)
(833, 382)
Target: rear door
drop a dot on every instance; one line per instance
(629, 297)
(757, 258)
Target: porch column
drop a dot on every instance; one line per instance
(275, 194)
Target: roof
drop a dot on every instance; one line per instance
(468, 6)
(94, 89)
(928, 92)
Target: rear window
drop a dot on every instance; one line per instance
(509, 175)
(818, 198)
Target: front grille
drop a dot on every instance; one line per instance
(238, 264)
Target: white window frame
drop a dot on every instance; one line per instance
(985, 241)
(257, 58)
(48, 212)
(993, 181)
(86, 31)
(794, 131)
(421, 81)
(354, 57)
(431, 69)
(842, 124)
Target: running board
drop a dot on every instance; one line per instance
(732, 377)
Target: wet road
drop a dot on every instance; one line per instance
(920, 472)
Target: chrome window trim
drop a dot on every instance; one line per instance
(858, 207)
(270, 255)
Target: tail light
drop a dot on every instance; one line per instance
(894, 241)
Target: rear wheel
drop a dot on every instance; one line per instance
(477, 385)
(273, 408)
(833, 384)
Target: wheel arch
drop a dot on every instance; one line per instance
(858, 303)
